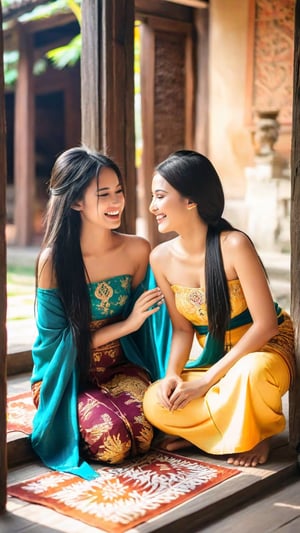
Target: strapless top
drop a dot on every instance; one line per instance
(191, 302)
(109, 296)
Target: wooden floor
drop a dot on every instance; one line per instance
(259, 500)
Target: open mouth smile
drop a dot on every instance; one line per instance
(160, 218)
(112, 213)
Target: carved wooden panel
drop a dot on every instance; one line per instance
(271, 48)
(169, 95)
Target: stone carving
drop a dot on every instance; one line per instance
(268, 187)
(266, 132)
(273, 56)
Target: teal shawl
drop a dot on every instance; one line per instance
(55, 434)
(213, 349)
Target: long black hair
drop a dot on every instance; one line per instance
(72, 173)
(195, 178)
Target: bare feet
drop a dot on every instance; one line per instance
(257, 456)
(174, 443)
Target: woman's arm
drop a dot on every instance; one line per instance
(182, 336)
(137, 256)
(240, 261)
(145, 306)
(142, 309)
(45, 274)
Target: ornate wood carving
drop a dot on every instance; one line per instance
(167, 82)
(270, 64)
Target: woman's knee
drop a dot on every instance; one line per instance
(263, 367)
(150, 403)
(109, 443)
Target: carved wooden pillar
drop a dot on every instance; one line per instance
(167, 99)
(3, 342)
(294, 416)
(107, 87)
(24, 149)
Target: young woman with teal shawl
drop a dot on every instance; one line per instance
(102, 332)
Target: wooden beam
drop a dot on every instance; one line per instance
(91, 90)
(24, 145)
(3, 300)
(148, 109)
(107, 87)
(191, 3)
(294, 415)
(163, 9)
(201, 122)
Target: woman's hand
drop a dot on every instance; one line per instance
(176, 394)
(146, 305)
(165, 390)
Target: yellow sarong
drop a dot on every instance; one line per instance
(245, 406)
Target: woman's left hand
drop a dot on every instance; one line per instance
(186, 392)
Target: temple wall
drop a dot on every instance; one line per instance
(250, 67)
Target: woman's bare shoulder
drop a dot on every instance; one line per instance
(45, 274)
(235, 240)
(135, 244)
(162, 252)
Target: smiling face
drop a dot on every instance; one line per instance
(103, 201)
(167, 205)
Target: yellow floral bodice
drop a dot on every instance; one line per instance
(191, 302)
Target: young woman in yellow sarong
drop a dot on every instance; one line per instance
(227, 400)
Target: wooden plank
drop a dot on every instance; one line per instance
(147, 108)
(192, 516)
(107, 87)
(72, 106)
(189, 92)
(118, 95)
(162, 8)
(24, 145)
(19, 450)
(163, 24)
(191, 3)
(271, 512)
(202, 90)
(19, 362)
(91, 93)
(3, 295)
(294, 415)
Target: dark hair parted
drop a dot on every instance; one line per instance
(195, 178)
(72, 173)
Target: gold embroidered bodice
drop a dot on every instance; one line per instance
(191, 302)
(108, 301)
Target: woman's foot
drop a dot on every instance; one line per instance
(257, 456)
(172, 444)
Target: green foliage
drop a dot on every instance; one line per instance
(64, 56)
(48, 10)
(10, 61)
(68, 55)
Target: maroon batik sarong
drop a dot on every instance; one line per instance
(111, 418)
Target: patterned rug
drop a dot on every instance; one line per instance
(20, 412)
(124, 496)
